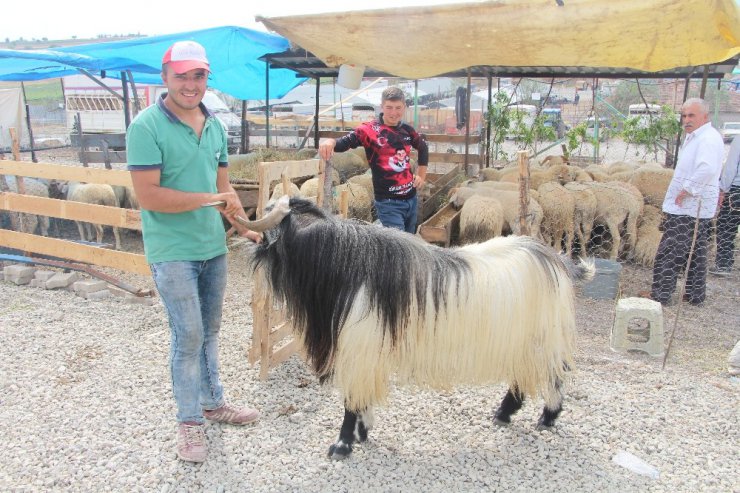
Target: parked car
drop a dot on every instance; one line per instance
(554, 120)
(729, 130)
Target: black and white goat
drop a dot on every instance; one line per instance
(369, 302)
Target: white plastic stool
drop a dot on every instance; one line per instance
(629, 309)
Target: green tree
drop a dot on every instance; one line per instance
(498, 116)
(652, 133)
(627, 93)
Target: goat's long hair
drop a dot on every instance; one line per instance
(369, 302)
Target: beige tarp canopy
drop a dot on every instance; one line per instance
(420, 42)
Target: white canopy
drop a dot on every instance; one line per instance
(420, 42)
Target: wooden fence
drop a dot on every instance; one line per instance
(63, 209)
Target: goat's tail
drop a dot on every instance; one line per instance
(581, 270)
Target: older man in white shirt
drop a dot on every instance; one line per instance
(691, 198)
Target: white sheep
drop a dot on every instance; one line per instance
(598, 173)
(366, 180)
(96, 194)
(29, 222)
(481, 218)
(558, 211)
(490, 174)
(510, 206)
(652, 183)
(584, 212)
(648, 235)
(616, 206)
(553, 160)
(360, 201)
(350, 163)
(560, 173)
(278, 192)
(310, 187)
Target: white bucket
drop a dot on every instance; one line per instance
(350, 76)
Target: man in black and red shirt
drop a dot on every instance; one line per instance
(388, 142)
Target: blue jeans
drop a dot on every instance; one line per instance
(193, 294)
(397, 213)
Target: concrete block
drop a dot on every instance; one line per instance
(95, 295)
(37, 283)
(118, 293)
(87, 287)
(18, 271)
(18, 281)
(44, 275)
(62, 280)
(650, 313)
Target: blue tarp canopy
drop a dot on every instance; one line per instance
(233, 53)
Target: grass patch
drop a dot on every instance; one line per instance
(39, 90)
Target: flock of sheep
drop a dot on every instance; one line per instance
(609, 211)
(89, 193)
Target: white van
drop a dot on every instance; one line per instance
(644, 112)
(528, 112)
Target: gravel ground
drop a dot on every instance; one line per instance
(85, 405)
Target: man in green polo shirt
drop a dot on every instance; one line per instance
(178, 162)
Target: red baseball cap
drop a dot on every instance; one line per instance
(184, 56)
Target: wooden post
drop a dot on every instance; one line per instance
(83, 158)
(106, 155)
(344, 203)
(327, 186)
(19, 183)
(320, 187)
(286, 184)
(523, 158)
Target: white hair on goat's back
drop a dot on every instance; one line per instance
(524, 337)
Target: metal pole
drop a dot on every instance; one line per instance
(416, 104)
(678, 136)
(126, 112)
(245, 128)
(704, 77)
(267, 104)
(28, 125)
(137, 106)
(488, 122)
(467, 124)
(316, 116)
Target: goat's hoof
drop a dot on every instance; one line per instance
(339, 451)
(501, 420)
(545, 426)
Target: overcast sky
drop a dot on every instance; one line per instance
(63, 19)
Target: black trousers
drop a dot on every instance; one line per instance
(727, 223)
(673, 254)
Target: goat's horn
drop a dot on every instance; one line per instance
(272, 219)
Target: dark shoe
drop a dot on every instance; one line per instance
(687, 299)
(720, 272)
